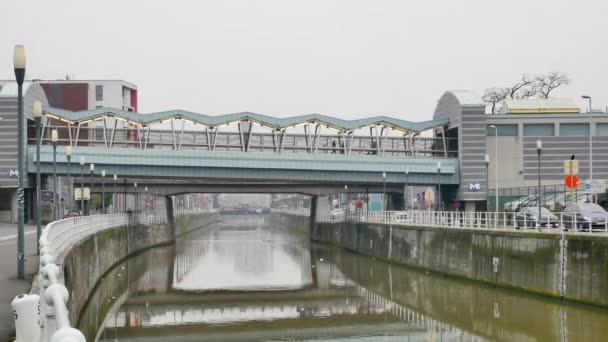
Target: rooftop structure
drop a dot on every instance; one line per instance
(531, 106)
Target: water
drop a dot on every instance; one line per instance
(254, 282)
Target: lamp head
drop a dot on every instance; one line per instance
(407, 170)
(54, 136)
(68, 151)
(135, 185)
(103, 173)
(92, 167)
(82, 160)
(586, 96)
(383, 175)
(115, 177)
(438, 165)
(487, 159)
(19, 57)
(37, 111)
(539, 144)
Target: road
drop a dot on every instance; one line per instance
(9, 284)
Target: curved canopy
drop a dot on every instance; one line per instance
(221, 120)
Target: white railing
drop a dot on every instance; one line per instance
(194, 211)
(296, 211)
(479, 220)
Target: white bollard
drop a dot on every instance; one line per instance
(26, 312)
(68, 335)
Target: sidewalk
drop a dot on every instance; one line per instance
(9, 284)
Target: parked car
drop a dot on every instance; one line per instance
(585, 216)
(336, 213)
(528, 217)
(72, 214)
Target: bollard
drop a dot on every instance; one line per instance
(68, 335)
(26, 312)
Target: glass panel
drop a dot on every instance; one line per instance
(99, 92)
(574, 129)
(503, 130)
(601, 129)
(539, 130)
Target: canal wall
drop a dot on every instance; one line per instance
(298, 223)
(86, 264)
(523, 260)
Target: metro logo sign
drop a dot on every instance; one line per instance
(13, 173)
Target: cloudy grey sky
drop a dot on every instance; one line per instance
(349, 58)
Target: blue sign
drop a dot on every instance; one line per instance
(474, 187)
(13, 173)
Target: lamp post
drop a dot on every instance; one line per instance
(407, 183)
(19, 65)
(146, 201)
(103, 191)
(92, 168)
(383, 191)
(590, 140)
(82, 161)
(68, 155)
(439, 185)
(135, 196)
(495, 165)
(539, 148)
(487, 180)
(37, 117)
(54, 140)
(114, 194)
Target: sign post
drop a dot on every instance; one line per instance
(571, 171)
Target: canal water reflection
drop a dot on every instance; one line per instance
(243, 282)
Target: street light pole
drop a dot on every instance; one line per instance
(539, 148)
(68, 155)
(103, 191)
(37, 117)
(82, 161)
(590, 141)
(407, 185)
(54, 140)
(114, 194)
(487, 181)
(439, 186)
(19, 65)
(92, 168)
(496, 165)
(383, 191)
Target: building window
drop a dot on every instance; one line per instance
(574, 129)
(503, 130)
(99, 92)
(98, 107)
(601, 129)
(539, 130)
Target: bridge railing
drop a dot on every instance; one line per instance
(296, 211)
(480, 220)
(193, 211)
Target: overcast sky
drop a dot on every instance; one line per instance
(346, 58)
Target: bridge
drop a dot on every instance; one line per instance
(179, 152)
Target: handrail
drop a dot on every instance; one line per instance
(477, 220)
(296, 212)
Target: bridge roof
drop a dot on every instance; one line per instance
(226, 119)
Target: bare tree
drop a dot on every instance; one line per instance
(524, 88)
(495, 95)
(546, 83)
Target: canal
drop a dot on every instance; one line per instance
(251, 278)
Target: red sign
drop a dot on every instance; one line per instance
(359, 205)
(572, 181)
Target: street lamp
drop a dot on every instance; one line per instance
(135, 196)
(487, 180)
(539, 148)
(439, 185)
(54, 141)
(37, 112)
(82, 161)
(495, 165)
(19, 66)
(590, 138)
(103, 191)
(383, 191)
(407, 183)
(92, 168)
(68, 155)
(114, 194)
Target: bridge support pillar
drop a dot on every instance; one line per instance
(313, 214)
(170, 217)
(395, 201)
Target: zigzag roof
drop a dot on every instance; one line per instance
(220, 120)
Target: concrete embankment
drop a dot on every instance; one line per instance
(522, 260)
(86, 263)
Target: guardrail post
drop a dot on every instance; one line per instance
(26, 311)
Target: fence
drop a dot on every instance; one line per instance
(554, 197)
(548, 222)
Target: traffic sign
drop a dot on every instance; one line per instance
(572, 181)
(595, 186)
(571, 167)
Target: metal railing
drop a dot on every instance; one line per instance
(296, 212)
(193, 211)
(479, 220)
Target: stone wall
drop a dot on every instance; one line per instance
(85, 265)
(528, 261)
